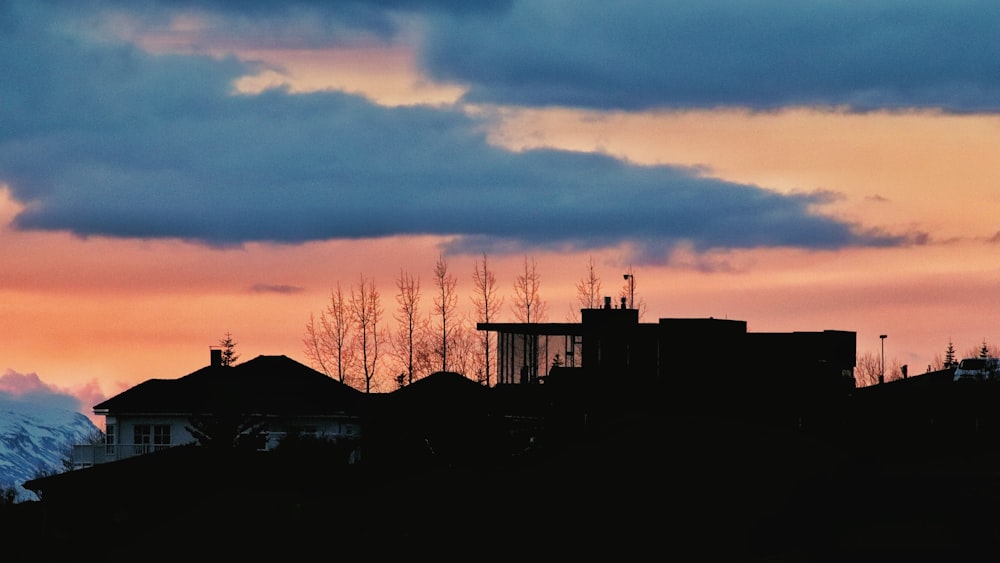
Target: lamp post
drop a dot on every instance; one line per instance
(630, 278)
(881, 376)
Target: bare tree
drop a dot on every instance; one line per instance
(425, 354)
(588, 292)
(464, 345)
(894, 370)
(528, 306)
(407, 315)
(229, 355)
(867, 369)
(984, 350)
(328, 344)
(937, 363)
(366, 310)
(317, 346)
(445, 301)
(487, 305)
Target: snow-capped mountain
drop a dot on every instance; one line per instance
(35, 439)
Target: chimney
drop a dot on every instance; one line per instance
(607, 301)
(216, 354)
(623, 303)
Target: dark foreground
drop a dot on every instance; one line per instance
(663, 488)
(713, 490)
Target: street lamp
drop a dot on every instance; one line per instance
(881, 376)
(630, 278)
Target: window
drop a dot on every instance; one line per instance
(972, 363)
(149, 437)
(142, 437)
(161, 435)
(109, 440)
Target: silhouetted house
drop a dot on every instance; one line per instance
(444, 418)
(263, 400)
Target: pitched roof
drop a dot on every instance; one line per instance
(440, 391)
(446, 383)
(271, 385)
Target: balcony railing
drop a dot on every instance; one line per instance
(89, 454)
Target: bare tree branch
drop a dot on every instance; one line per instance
(528, 306)
(487, 305)
(367, 312)
(445, 302)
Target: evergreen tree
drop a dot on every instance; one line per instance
(229, 355)
(949, 355)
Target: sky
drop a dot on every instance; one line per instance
(172, 171)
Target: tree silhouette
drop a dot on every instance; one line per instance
(328, 344)
(317, 345)
(407, 315)
(445, 301)
(588, 291)
(867, 368)
(229, 355)
(487, 305)
(528, 308)
(464, 347)
(949, 356)
(528, 305)
(366, 310)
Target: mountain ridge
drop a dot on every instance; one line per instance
(35, 439)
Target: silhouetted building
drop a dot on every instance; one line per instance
(611, 351)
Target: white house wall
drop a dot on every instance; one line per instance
(125, 428)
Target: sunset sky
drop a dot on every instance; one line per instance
(174, 170)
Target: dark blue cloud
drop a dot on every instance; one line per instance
(299, 22)
(762, 54)
(642, 54)
(100, 138)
